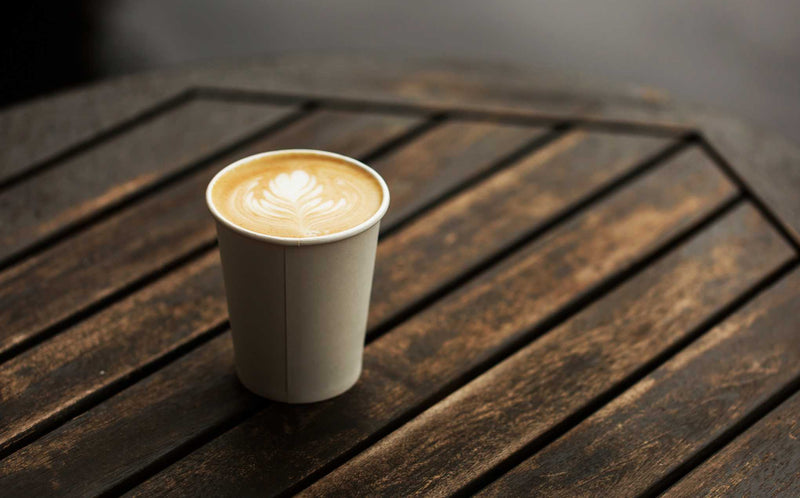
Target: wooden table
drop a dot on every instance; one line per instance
(579, 290)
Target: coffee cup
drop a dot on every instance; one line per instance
(298, 232)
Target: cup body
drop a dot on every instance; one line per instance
(298, 307)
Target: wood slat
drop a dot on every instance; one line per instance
(283, 444)
(505, 409)
(59, 197)
(643, 435)
(550, 168)
(764, 461)
(444, 158)
(510, 204)
(91, 266)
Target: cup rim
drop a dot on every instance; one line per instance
(297, 241)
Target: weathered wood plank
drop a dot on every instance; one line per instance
(510, 204)
(764, 461)
(285, 444)
(551, 171)
(59, 197)
(519, 400)
(444, 158)
(106, 257)
(672, 413)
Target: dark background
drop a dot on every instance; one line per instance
(738, 55)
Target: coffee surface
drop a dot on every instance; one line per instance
(297, 194)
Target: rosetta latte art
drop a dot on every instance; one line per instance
(295, 200)
(296, 195)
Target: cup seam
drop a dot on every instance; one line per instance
(285, 326)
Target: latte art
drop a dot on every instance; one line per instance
(296, 200)
(297, 195)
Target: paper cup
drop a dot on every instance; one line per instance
(298, 307)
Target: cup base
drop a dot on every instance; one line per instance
(298, 398)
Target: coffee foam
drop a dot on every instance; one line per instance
(296, 194)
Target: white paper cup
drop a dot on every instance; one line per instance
(298, 307)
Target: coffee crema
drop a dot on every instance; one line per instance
(296, 194)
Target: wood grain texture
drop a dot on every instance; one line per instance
(284, 444)
(494, 214)
(92, 265)
(59, 197)
(764, 461)
(50, 380)
(500, 412)
(98, 449)
(672, 413)
(443, 158)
